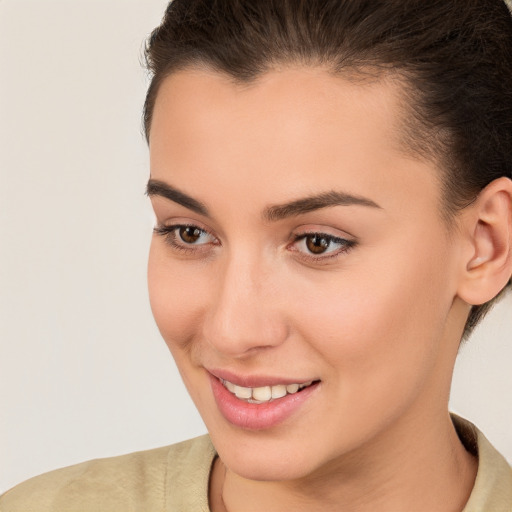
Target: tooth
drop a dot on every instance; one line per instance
(262, 394)
(230, 386)
(278, 391)
(241, 392)
(292, 388)
(306, 384)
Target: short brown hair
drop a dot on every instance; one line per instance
(455, 57)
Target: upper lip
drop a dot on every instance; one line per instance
(255, 381)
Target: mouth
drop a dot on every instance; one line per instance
(257, 403)
(264, 394)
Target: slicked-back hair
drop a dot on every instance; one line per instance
(453, 59)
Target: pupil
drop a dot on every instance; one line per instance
(190, 234)
(317, 244)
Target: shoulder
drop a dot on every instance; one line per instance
(135, 481)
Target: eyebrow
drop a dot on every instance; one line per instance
(315, 202)
(271, 213)
(159, 188)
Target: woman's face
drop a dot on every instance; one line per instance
(298, 244)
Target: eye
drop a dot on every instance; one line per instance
(185, 237)
(321, 246)
(191, 234)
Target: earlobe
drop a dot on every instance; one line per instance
(487, 267)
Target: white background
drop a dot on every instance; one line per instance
(83, 371)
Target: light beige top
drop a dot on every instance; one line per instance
(175, 478)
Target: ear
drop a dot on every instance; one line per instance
(487, 258)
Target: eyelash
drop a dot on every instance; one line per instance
(345, 246)
(170, 236)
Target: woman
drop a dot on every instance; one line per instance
(333, 194)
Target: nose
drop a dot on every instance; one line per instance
(243, 314)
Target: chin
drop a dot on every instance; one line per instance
(266, 470)
(263, 458)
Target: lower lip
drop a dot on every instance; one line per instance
(258, 416)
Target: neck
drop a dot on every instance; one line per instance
(430, 470)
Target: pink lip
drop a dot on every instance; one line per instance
(258, 416)
(255, 381)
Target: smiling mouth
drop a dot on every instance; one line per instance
(264, 394)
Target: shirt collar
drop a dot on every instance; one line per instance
(493, 485)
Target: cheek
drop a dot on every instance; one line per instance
(379, 325)
(363, 331)
(176, 295)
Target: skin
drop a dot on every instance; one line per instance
(378, 324)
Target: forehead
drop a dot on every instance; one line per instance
(298, 128)
(291, 97)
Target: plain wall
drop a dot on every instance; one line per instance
(83, 370)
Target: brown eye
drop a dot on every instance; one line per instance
(187, 239)
(190, 234)
(317, 244)
(320, 247)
